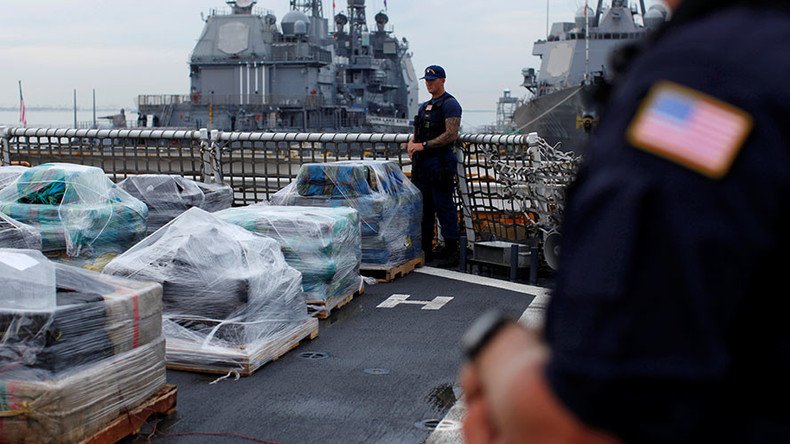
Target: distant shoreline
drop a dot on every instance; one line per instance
(61, 108)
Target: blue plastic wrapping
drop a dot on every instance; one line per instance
(389, 205)
(324, 244)
(76, 208)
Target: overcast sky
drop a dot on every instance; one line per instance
(122, 49)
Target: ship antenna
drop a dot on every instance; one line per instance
(547, 18)
(586, 44)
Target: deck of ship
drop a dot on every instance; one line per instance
(375, 373)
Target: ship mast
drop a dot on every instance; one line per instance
(586, 44)
(312, 8)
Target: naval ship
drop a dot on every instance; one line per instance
(250, 73)
(573, 61)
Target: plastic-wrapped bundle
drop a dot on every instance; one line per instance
(78, 366)
(93, 317)
(389, 205)
(76, 208)
(9, 173)
(322, 243)
(167, 196)
(15, 234)
(227, 292)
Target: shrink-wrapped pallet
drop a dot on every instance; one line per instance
(389, 205)
(324, 244)
(68, 370)
(229, 294)
(76, 208)
(167, 196)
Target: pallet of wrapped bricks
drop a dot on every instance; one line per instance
(168, 195)
(80, 349)
(231, 301)
(324, 244)
(389, 205)
(75, 208)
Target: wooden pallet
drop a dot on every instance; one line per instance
(181, 355)
(384, 274)
(163, 402)
(324, 308)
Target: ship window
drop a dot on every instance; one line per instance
(607, 36)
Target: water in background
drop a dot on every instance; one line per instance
(63, 118)
(472, 121)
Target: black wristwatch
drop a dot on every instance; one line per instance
(425, 145)
(482, 331)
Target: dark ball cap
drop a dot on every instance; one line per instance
(434, 72)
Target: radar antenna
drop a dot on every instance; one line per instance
(313, 8)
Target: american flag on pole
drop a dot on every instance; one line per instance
(690, 128)
(22, 117)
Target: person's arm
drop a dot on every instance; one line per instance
(452, 125)
(509, 400)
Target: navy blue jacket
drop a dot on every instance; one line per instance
(670, 320)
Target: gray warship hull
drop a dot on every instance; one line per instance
(574, 58)
(554, 117)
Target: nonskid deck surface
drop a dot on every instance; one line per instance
(379, 371)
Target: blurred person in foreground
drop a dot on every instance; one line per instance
(670, 317)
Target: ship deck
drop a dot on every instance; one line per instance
(374, 374)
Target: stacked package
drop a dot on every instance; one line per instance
(324, 244)
(15, 234)
(79, 348)
(9, 174)
(231, 302)
(167, 196)
(75, 208)
(389, 205)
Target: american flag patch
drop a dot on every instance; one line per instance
(690, 128)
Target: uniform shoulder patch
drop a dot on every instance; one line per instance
(690, 128)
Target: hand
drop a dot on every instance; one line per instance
(413, 147)
(509, 399)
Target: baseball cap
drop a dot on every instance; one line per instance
(434, 72)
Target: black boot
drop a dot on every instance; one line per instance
(450, 255)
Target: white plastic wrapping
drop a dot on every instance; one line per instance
(226, 290)
(28, 280)
(324, 244)
(67, 372)
(389, 205)
(75, 208)
(167, 196)
(15, 234)
(9, 174)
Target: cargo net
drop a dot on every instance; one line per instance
(515, 191)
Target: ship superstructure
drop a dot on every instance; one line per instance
(572, 61)
(249, 72)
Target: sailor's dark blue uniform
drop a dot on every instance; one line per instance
(434, 170)
(670, 320)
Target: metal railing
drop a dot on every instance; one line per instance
(511, 187)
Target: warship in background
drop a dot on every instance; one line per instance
(559, 106)
(247, 73)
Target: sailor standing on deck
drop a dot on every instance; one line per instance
(434, 166)
(670, 317)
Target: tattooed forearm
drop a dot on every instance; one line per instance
(450, 134)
